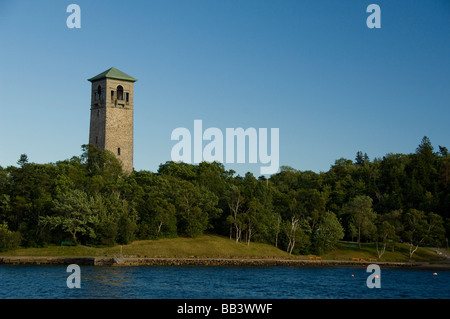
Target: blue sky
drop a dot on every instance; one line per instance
(313, 69)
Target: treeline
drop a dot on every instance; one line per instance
(88, 200)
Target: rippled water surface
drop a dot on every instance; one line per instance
(50, 282)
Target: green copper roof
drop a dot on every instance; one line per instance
(113, 73)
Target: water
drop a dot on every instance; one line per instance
(49, 282)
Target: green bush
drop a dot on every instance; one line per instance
(8, 239)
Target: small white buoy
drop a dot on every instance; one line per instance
(435, 274)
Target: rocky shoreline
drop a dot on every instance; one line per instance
(193, 261)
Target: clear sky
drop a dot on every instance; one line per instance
(313, 69)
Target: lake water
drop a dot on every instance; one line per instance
(50, 282)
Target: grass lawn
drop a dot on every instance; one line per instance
(202, 246)
(222, 247)
(369, 251)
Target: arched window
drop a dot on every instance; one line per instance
(120, 92)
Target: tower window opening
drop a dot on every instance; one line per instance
(99, 93)
(127, 97)
(118, 151)
(120, 92)
(112, 95)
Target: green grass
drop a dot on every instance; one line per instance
(369, 251)
(202, 246)
(222, 247)
(54, 251)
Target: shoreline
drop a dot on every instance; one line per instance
(227, 262)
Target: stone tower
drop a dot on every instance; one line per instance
(111, 125)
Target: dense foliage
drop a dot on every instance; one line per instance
(88, 200)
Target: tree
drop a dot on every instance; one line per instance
(29, 190)
(420, 228)
(395, 219)
(385, 231)
(235, 200)
(291, 232)
(23, 160)
(298, 233)
(164, 216)
(126, 223)
(8, 239)
(193, 220)
(277, 227)
(101, 162)
(73, 214)
(105, 212)
(328, 233)
(361, 216)
(425, 148)
(424, 172)
(181, 170)
(157, 212)
(361, 159)
(253, 218)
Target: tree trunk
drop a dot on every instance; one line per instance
(238, 233)
(412, 250)
(74, 236)
(359, 237)
(278, 230)
(294, 225)
(276, 240)
(292, 246)
(159, 227)
(380, 253)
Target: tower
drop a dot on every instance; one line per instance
(111, 126)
